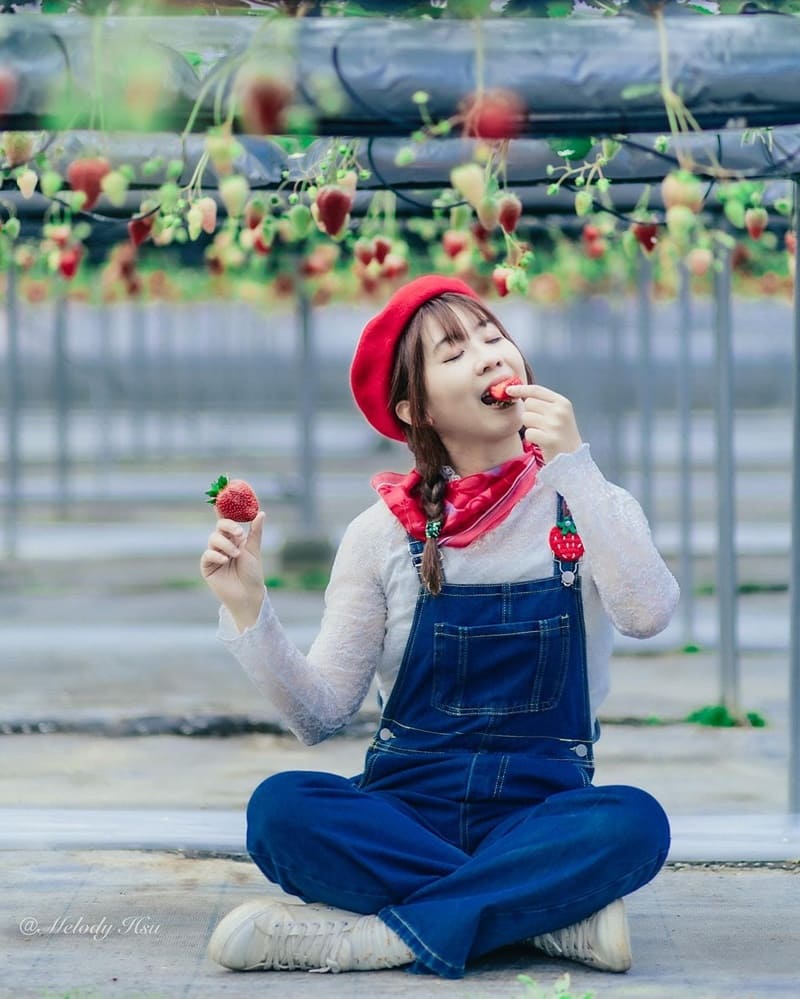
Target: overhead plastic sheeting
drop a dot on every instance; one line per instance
(576, 76)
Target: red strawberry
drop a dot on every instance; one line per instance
(596, 248)
(565, 542)
(646, 234)
(254, 212)
(500, 276)
(756, 221)
(234, 499)
(509, 209)
(590, 233)
(86, 175)
(790, 241)
(264, 101)
(69, 261)
(8, 89)
(394, 266)
(261, 244)
(383, 248)
(498, 390)
(364, 251)
(333, 206)
(454, 242)
(495, 114)
(139, 229)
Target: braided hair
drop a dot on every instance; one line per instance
(408, 384)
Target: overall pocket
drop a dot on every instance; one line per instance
(500, 669)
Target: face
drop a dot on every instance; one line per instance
(458, 375)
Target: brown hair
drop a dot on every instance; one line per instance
(408, 383)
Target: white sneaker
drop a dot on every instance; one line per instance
(273, 936)
(602, 941)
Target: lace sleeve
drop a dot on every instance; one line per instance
(637, 590)
(319, 693)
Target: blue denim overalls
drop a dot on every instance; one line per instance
(474, 823)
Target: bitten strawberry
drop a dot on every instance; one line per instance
(234, 499)
(498, 390)
(565, 542)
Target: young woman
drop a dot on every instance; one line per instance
(480, 590)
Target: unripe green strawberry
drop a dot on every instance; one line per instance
(223, 151)
(487, 212)
(681, 221)
(11, 227)
(301, 220)
(115, 187)
(234, 191)
(208, 214)
(682, 188)
(194, 222)
(17, 147)
(26, 182)
(470, 181)
(51, 183)
(583, 203)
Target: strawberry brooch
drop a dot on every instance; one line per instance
(565, 542)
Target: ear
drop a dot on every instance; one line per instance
(403, 411)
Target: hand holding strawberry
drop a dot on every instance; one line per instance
(548, 418)
(231, 564)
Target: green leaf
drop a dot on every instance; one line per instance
(572, 148)
(193, 58)
(635, 90)
(559, 8)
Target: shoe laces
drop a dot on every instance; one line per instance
(334, 944)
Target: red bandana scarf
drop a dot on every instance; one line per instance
(473, 505)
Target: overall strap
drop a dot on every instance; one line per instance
(566, 569)
(416, 548)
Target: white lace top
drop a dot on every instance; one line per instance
(372, 593)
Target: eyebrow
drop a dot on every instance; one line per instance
(479, 325)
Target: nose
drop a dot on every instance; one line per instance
(488, 357)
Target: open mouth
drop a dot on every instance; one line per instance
(489, 400)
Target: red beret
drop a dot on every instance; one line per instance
(373, 361)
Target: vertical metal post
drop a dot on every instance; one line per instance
(13, 398)
(306, 414)
(794, 573)
(102, 395)
(644, 319)
(615, 396)
(62, 401)
(726, 517)
(684, 401)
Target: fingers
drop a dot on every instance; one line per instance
(253, 543)
(539, 392)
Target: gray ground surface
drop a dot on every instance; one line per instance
(106, 633)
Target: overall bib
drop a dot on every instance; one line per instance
(475, 823)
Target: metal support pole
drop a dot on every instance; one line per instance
(794, 573)
(62, 401)
(726, 516)
(13, 397)
(102, 396)
(684, 401)
(306, 415)
(644, 322)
